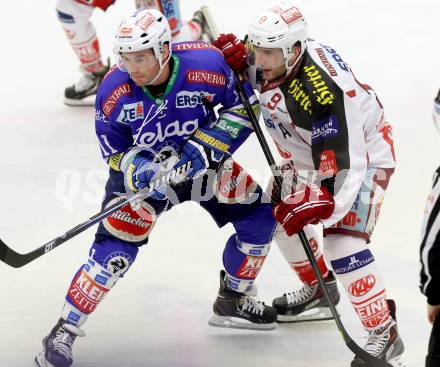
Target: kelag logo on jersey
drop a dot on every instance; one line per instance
(187, 99)
(131, 112)
(326, 128)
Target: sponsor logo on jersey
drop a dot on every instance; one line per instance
(250, 267)
(146, 21)
(299, 94)
(233, 184)
(86, 293)
(325, 62)
(321, 90)
(327, 163)
(110, 103)
(231, 127)
(362, 286)
(131, 112)
(117, 263)
(193, 46)
(351, 263)
(337, 58)
(291, 15)
(185, 99)
(324, 129)
(374, 311)
(176, 128)
(128, 224)
(206, 77)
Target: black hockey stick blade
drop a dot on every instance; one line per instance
(12, 258)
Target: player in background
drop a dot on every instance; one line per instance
(430, 257)
(334, 131)
(155, 111)
(75, 15)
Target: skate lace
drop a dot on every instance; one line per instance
(63, 342)
(86, 82)
(377, 342)
(254, 306)
(300, 295)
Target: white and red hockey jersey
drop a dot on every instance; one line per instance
(328, 124)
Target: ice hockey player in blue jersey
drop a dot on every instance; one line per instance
(155, 113)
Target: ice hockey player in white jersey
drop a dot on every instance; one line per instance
(333, 130)
(75, 15)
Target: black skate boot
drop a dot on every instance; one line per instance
(206, 34)
(76, 94)
(384, 343)
(237, 310)
(57, 346)
(308, 303)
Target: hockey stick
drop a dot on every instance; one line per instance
(351, 344)
(17, 260)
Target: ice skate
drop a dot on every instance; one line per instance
(240, 311)
(384, 343)
(83, 92)
(57, 346)
(308, 303)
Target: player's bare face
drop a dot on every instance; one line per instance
(141, 65)
(270, 61)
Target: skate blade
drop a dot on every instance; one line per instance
(237, 323)
(87, 101)
(316, 314)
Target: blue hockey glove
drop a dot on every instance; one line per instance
(206, 150)
(141, 172)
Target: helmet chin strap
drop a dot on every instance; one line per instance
(161, 66)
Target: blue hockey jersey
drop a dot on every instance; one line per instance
(128, 115)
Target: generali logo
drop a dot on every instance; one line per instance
(206, 77)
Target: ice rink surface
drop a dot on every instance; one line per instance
(52, 178)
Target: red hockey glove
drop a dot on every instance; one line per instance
(305, 206)
(234, 51)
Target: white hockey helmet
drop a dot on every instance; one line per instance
(144, 29)
(281, 26)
